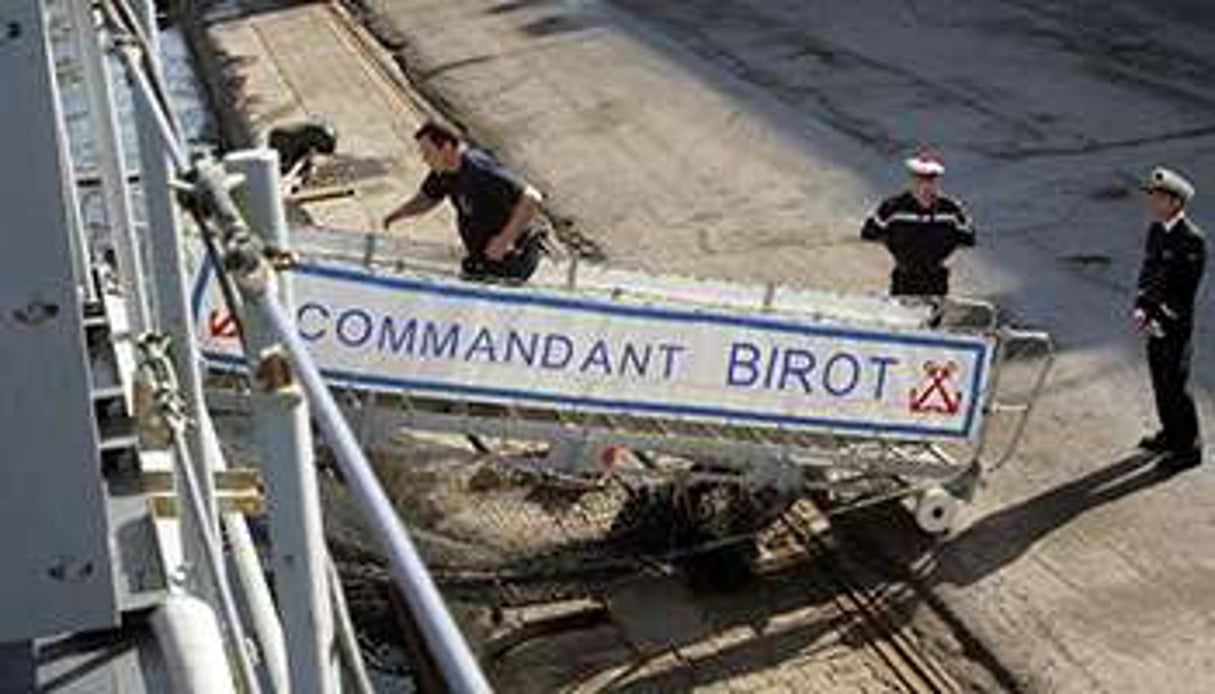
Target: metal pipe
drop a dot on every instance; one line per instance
(348, 643)
(1023, 410)
(212, 557)
(255, 279)
(173, 314)
(266, 626)
(451, 652)
(157, 364)
(284, 437)
(142, 88)
(189, 638)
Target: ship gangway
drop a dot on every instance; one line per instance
(778, 391)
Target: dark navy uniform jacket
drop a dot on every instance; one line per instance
(1172, 271)
(920, 240)
(484, 194)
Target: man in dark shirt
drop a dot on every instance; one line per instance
(921, 228)
(1164, 311)
(497, 213)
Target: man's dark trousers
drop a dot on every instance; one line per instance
(920, 281)
(1169, 363)
(518, 265)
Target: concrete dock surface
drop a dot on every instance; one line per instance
(747, 139)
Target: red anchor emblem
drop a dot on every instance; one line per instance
(222, 326)
(935, 395)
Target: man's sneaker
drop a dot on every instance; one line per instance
(1154, 443)
(1176, 461)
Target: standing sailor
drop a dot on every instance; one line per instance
(921, 228)
(1164, 311)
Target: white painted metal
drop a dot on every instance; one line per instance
(67, 70)
(115, 190)
(58, 578)
(190, 641)
(281, 424)
(170, 404)
(172, 305)
(259, 601)
(457, 663)
(347, 637)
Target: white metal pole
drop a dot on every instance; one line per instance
(446, 643)
(255, 280)
(281, 421)
(173, 308)
(190, 640)
(260, 602)
(256, 592)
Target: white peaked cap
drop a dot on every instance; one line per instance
(1170, 181)
(925, 164)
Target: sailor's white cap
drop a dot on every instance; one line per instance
(925, 163)
(1169, 181)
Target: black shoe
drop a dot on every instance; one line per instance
(1176, 461)
(1154, 443)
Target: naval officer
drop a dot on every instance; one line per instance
(921, 228)
(1164, 311)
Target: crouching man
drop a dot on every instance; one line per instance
(497, 212)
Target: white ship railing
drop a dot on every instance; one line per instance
(297, 640)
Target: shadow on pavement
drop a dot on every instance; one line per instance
(1002, 537)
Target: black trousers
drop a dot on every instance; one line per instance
(518, 265)
(919, 281)
(1169, 363)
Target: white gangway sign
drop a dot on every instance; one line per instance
(560, 350)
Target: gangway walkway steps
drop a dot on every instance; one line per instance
(772, 388)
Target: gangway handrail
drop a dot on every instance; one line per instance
(1023, 408)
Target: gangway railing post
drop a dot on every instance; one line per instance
(172, 302)
(455, 659)
(244, 263)
(281, 422)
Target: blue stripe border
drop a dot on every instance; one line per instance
(513, 296)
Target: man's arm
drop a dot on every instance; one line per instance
(419, 204)
(874, 228)
(1150, 287)
(1185, 277)
(964, 231)
(524, 212)
(1149, 290)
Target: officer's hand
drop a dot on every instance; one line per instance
(1140, 319)
(387, 222)
(497, 248)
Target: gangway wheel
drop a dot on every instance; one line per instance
(935, 510)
